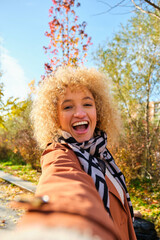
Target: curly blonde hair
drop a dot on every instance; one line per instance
(44, 111)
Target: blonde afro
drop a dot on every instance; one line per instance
(44, 111)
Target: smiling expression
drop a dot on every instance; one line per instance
(77, 114)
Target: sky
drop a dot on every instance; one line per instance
(23, 24)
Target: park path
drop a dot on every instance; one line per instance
(9, 192)
(8, 216)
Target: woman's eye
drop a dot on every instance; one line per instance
(67, 107)
(88, 105)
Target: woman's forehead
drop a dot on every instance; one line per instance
(76, 89)
(70, 92)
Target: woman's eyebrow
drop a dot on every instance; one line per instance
(90, 98)
(70, 100)
(66, 101)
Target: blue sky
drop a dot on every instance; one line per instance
(22, 27)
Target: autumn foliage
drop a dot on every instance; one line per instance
(68, 41)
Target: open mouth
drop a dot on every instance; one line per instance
(80, 126)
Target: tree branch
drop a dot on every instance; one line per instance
(110, 7)
(152, 4)
(144, 11)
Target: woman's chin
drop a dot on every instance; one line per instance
(82, 136)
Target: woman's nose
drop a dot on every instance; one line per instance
(79, 113)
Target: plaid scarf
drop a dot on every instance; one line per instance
(94, 158)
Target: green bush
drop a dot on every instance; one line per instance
(9, 157)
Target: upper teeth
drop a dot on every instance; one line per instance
(80, 123)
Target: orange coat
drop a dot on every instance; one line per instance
(74, 201)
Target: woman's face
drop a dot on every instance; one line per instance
(77, 114)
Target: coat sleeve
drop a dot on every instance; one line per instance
(73, 199)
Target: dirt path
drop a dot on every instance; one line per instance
(8, 216)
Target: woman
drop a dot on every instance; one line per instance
(80, 187)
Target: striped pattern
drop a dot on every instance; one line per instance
(94, 157)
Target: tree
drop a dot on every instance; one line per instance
(16, 133)
(17, 138)
(146, 6)
(149, 7)
(1, 104)
(68, 41)
(8, 107)
(131, 60)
